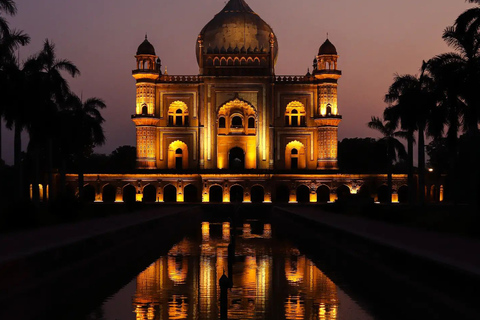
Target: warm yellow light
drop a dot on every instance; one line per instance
(394, 197)
(177, 272)
(430, 169)
(205, 231)
(139, 197)
(441, 194)
(178, 308)
(294, 269)
(313, 197)
(226, 197)
(205, 197)
(226, 231)
(333, 197)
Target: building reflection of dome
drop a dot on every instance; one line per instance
(237, 29)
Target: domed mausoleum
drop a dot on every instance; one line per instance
(236, 131)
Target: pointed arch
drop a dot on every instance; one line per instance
(295, 155)
(129, 193)
(178, 155)
(295, 114)
(178, 114)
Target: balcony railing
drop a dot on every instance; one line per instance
(294, 79)
(189, 79)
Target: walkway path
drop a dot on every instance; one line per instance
(454, 251)
(30, 242)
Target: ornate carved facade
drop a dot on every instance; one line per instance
(236, 124)
(236, 114)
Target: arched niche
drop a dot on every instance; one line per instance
(295, 157)
(178, 155)
(178, 114)
(295, 114)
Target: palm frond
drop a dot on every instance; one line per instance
(8, 6)
(4, 27)
(68, 66)
(377, 124)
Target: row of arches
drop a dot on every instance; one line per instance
(236, 121)
(148, 194)
(295, 157)
(236, 61)
(236, 193)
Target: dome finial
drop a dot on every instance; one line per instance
(146, 47)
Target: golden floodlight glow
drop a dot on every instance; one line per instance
(394, 197)
(205, 231)
(226, 231)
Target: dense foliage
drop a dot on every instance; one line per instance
(36, 98)
(442, 102)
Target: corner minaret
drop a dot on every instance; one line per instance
(327, 117)
(146, 117)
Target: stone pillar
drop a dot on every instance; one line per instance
(146, 142)
(327, 142)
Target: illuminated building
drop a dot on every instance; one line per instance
(236, 113)
(236, 131)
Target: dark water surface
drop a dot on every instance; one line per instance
(272, 279)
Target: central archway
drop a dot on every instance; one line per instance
(236, 159)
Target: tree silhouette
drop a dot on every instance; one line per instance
(82, 128)
(413, 103)
(49, 91)
(10, 40)
(395, 149)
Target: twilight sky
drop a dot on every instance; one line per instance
(374, 38)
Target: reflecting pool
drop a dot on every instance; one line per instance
(271, 279)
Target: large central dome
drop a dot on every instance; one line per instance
(239, 29)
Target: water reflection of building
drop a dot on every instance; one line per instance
(184, 283)
(312, 295)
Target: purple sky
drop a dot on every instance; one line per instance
(374, 38)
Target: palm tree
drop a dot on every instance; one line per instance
(464, 38)
(50, 90)
(401, 111)
(8, 7)
(10, 40)
(415, 107)
(448, 86)
(395, 149)
(82, 128)
(11, 79)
